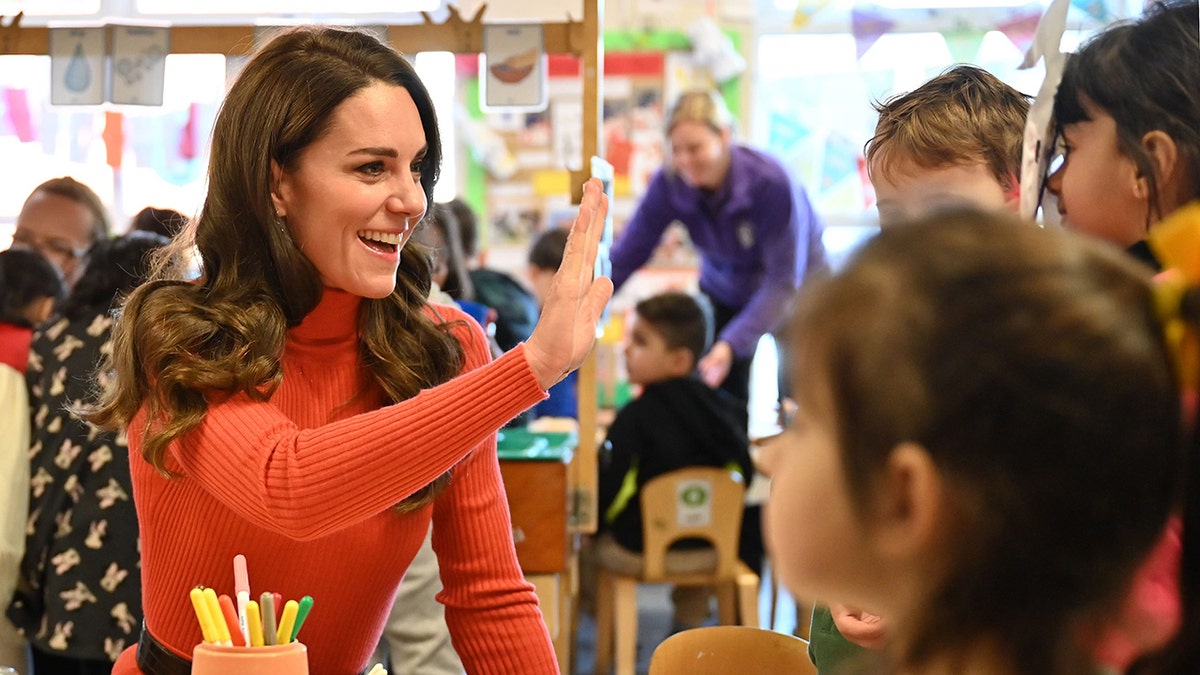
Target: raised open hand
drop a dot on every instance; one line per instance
(567, 328)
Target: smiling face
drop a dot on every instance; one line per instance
(1098, 187)
(699, 153)
(907, 192)
(353, 197)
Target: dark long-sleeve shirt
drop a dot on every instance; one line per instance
(672, 425)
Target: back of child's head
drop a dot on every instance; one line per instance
(1145, 75)
(1030, 365)
(115, 267)
(966, 115)
(26, 277)
(165, 222)
(548, 249)
(443, 242)
(468, 226)
(683, 321)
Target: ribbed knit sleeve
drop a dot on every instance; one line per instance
(305, 484)
(492, 612)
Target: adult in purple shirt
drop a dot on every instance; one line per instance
(753, 226)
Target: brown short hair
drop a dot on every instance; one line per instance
(965, 115)
(683, 320)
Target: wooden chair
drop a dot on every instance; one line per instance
(693, 503)
(723, 650)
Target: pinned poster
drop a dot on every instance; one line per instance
(77, 57)
(868, 24)
(514, 61)
(139, 64)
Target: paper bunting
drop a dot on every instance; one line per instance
(1097, 9)
(964, 44)
(187, 135)
(868, 25)
(1021, 28)
(786, 132)
(16, 102)
(114, 138)
(840, 162)
(806, 10)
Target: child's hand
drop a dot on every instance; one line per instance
(567, 328)
(862, 628)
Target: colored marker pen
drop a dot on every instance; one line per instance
(241, 587)
(288, 621)
(267, 604)
(231, 620)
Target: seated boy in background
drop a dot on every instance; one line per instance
(545, 256)
(954, 141)
(677, 422)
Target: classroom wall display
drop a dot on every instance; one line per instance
(513, 64)
(138, 64)
(77, 65)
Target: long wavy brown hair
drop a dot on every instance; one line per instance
(181, 339)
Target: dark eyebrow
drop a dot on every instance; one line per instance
(386, 152)
(378, 152)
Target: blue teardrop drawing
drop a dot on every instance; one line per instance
(79, 76)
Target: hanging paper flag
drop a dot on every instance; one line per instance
(840, 162)
(806, 10)
(964, 43)
(1021, 27)
(187, 135)
(114, 138)
(864, 179)
(785, 132)
(868, 25)
(1097, 9)
(16, 101)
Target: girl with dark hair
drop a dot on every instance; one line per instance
(300, 403)
(1128, 109)
(990, 425)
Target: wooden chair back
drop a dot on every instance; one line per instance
(722, 650)
(697, 502)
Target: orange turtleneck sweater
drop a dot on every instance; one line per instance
(304, 485)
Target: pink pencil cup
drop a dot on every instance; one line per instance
(288, 659)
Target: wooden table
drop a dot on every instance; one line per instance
(534, 467)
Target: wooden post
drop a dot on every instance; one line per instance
(590, 44)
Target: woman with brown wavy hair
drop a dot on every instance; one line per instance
(300, 403)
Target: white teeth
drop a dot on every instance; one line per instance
(384, 237)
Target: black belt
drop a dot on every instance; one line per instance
(155, 659)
